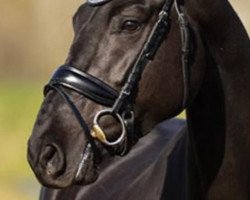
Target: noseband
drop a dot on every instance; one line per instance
(120, 104)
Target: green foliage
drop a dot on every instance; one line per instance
(19, 104)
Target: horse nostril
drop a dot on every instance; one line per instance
(52, 160)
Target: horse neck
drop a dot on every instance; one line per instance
(229, 45)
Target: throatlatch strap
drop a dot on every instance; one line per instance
(186, 53)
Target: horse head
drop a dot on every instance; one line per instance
(90, 89)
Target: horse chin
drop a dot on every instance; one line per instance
(59, 182)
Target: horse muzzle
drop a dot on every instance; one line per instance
(53, 169)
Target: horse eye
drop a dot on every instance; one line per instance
(131, 25)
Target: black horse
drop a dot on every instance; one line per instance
(196, 56)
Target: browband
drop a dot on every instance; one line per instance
(83, 83)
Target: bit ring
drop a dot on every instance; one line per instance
(99, 134)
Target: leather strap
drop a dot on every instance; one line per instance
(154, 41)
(186, 53)
(85, 84)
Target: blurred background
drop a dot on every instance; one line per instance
(34, 39)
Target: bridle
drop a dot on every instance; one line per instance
(120, 104)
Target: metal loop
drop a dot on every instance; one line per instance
(99, 134)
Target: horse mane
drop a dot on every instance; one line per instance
(206, 127)
(210, 113)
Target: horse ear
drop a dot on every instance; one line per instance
(206, 123)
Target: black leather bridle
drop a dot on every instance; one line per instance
(120, 104)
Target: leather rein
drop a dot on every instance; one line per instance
(120, 104)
